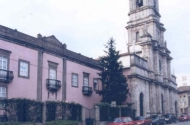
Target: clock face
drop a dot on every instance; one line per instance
(24, 69)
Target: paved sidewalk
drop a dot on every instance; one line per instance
(181, 123)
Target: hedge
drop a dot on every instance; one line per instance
(63, 111)
(25, 110)
(22, 110)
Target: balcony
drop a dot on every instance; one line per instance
(6, 76)
(87, 90)
(53, 85)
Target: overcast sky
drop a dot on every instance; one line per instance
(86, 25)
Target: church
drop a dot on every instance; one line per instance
(153, 89)
(42, 68)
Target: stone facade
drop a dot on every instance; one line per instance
(152, 86)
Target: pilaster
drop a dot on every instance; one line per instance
(147, 99)
(152, 98)
(39, 75)
(164, 67)
(167, 99)
(64, 80)
(169, 69)
(158, 98)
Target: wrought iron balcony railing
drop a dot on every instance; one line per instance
(6, 76)
(86, 90)
(53, 85)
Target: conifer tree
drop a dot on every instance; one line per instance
(114, 83)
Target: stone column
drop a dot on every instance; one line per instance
(44, 114)
(169, 69)
(164, 67)
(83, 116)
(147, 53)
(167, 99)
(134, 93)
(156, 62)
(171, 101)
(39, 75)
(97, 115)
(147, 99)
(64, 80)
(158, 98)
(152, 91)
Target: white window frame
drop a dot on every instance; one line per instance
(96, 84)
(1, 92)
(50, 75)
(5, 54)
(74, 81)
(2, 60)
(21, 62)
(85, 78)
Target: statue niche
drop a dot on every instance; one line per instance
(139, 3)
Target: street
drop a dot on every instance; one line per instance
(181, 123)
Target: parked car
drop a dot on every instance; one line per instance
(170, 118)
(184, 117)
(143, 121)
(158, 120)
(123, 121)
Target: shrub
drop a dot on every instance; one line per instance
(63, 111)
(22, 110)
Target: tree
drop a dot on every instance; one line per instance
(114, 83)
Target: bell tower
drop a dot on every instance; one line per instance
(144, 28)
(144, 20)
(146, 39)
(135, 4)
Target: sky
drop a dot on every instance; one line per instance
(85, 26)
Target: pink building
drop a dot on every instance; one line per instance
(43, 69)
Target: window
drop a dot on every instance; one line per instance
(86, 79)
(3, 66)
(52, 73)
(139, 3)
(3, 63)
(96, 87)
(160, 66)
(74, 80)
(4, 59)
(137, 36)
(189, 100)
(52, 70)
(24, 68)
(3, 92)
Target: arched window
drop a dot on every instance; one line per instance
(139, 3)
(137, 36)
